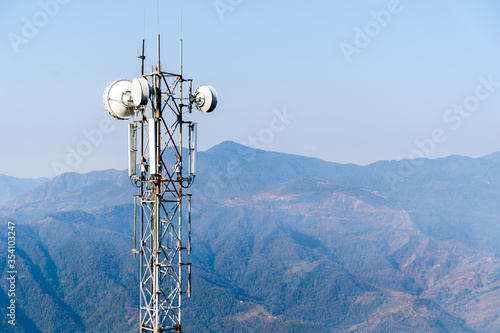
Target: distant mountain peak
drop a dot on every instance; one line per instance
(226, 146)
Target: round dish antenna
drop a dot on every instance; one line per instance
(117, 99)
(141, 90)
(205, 98)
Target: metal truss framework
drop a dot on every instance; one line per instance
(158, 209)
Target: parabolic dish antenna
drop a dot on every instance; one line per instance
(206, 98)
(141, 90)
(118, 99)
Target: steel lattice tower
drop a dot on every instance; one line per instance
(156, 105)
(159, 132)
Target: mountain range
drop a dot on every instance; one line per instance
(281, 243)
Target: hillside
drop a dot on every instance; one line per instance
(13, 187)
(282, 243)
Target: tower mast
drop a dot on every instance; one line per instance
(155, 104)
(161, 201)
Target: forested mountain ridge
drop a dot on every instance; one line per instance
(282, 243)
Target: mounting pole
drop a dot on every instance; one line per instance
(142, 57)
(158, 65)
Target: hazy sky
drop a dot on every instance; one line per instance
(344, 81)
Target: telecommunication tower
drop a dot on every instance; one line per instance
(156, 103)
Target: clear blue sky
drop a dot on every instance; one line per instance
(395, 86)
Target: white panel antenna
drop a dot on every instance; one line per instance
(192, 149)
(132, 149)
(152, 148)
